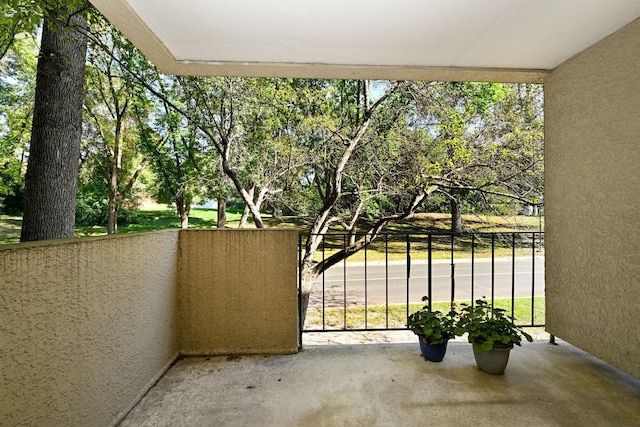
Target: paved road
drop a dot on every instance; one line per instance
(377, 277)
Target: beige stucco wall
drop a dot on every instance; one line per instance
(592, 199)
(86, 326)
(239, 295)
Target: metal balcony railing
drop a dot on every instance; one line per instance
(377, 288)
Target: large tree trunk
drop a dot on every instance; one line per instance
(222, 212)
(52, 171)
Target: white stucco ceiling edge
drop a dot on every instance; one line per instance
(337, 71)
(120, 14)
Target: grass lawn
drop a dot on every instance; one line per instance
(150, 218)
(10, 228)
(158, 217)
(378, 316)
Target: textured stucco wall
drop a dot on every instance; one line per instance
(239, 294)
(86, 326)
(592, 199)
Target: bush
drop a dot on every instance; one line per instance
(92, 208)
(13, 203)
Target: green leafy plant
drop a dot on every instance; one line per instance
(436, 326)
(488, 327)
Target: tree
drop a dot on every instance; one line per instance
(383, 159)
(519, 127)
(19, 17)
(17, 85)
(174, 151)
(363, 167)
(489, 147)
(160, 111)
(52, 170)
(242, 120)
(456, 114)
(111, 139)
(271, 158)
(165, 121)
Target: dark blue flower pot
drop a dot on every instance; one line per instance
(434, 353)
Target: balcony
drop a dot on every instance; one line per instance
(89, 326)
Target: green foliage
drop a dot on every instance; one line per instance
(111, 160)
(285, 139)
(488, 327)
(12, 202)
(18, 17)
(176, 153)
(92, 206)
(477, 98)
(17, 85)
(434, 325)
(486, 142)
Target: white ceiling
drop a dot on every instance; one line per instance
(366, 38)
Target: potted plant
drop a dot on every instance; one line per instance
(434, 329)
(492, 334)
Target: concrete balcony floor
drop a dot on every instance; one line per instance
(389, 384)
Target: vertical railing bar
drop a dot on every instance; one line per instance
(324, 308)
(386, 278)
(408, 271)
(453, 271)
(430, 270)
(300, 324)
(344, 285)
(366, 324)
(513, 275)
(533, 277)
(493, 269)
(473, 267)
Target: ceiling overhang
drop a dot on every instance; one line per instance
(466, 40)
